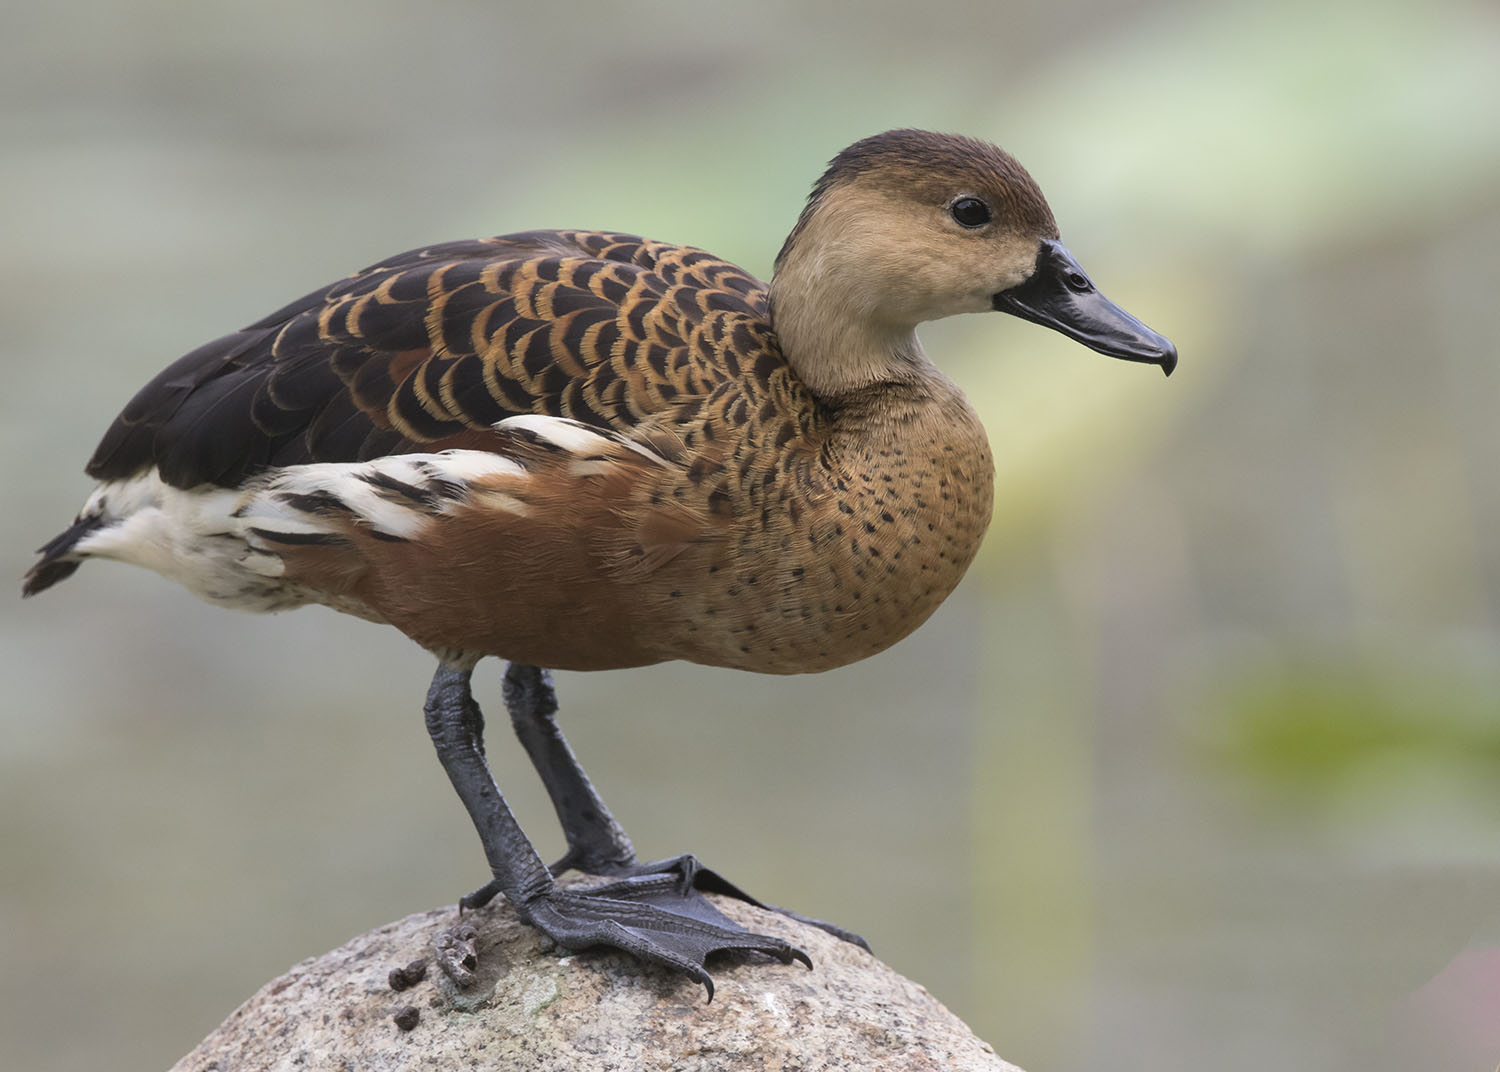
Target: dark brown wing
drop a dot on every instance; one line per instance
(430, 348)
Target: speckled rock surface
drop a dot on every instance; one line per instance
(528, 1008)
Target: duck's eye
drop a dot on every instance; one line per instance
(970, 212)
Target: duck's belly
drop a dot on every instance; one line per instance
(826, 583)
(799, 581)
(770, 613)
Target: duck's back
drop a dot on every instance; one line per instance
(429, 349)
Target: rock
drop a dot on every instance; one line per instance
(525, 1007)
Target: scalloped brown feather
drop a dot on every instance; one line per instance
(428, 349)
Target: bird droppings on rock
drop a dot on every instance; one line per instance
(408, 976)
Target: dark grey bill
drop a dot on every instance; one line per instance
(1060, 295)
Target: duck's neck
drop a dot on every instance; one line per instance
(834, 336)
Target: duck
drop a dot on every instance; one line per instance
(583, 450)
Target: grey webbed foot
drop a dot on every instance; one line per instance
(679, 882)
(626, 916)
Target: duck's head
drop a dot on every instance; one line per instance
(909, 226)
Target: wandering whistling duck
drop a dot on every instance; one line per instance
(579, 450)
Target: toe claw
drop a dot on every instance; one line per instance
(708, 984)
(480, 897)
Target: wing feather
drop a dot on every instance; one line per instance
(436, 345)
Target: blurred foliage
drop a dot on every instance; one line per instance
(1310, 726)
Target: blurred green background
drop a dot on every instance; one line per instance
(1200, 767)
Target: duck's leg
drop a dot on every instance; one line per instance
(597, 843)
(618, 914)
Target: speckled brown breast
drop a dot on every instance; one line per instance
(839, 564)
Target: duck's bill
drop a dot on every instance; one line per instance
(1060, 295)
